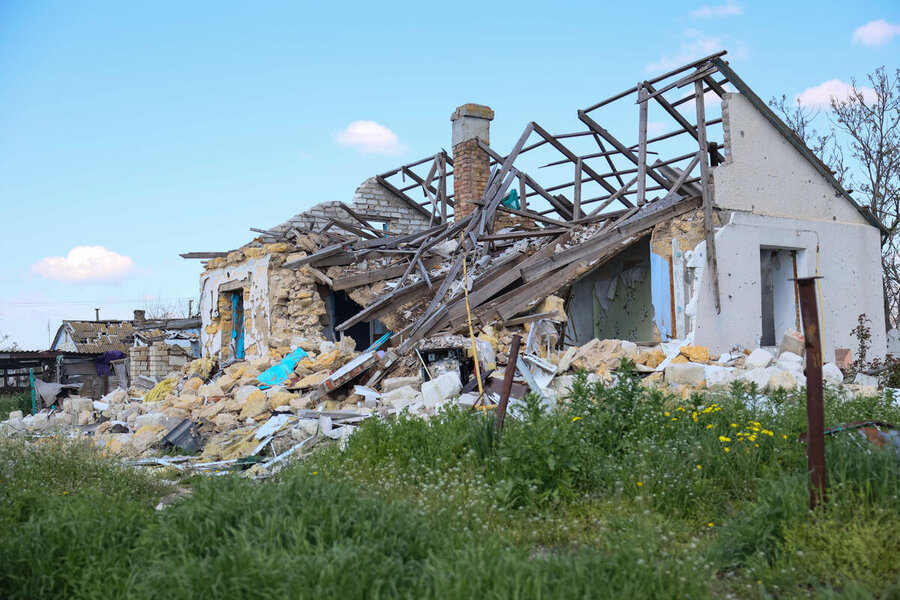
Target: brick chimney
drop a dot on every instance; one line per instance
(471, 164)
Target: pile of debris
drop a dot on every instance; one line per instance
(257, 413)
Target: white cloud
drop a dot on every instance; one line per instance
(85, 263)
(656, 128)
(875, 33)
(729, 9)
(820, 96)
(370, 137)
(694, 44)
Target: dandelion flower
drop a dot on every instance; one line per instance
(726, 449)
(667, 413)
(576, 419)
(710, 426)
(639, 484)
(710, 524)
(723, 438)
(699, 466)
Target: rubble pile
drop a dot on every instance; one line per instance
(262, 410)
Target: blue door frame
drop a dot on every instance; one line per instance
(237, 323)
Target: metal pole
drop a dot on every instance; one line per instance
(815, 406)
(508, 379)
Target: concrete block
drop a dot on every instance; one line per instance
(441, 388)
(77, 404)
(393, 383)
(16, 414)
(759, 359)
(866, 380)
(401, 397)
(718, 377)
(832, 375)
(691, 374)
(154, 419)
(759, 376)
(788, 361)
(783, 380)
(792, 341)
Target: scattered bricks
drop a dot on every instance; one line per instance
(792, 341)
(843, 358)
(759, 359)
(691, 374)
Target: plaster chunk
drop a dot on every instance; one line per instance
(759, 359)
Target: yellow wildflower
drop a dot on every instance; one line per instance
(722, 438)
(639, 484)
(710, 524)
(726, 449)
(576, 419)
(699, 466)
(667, 413)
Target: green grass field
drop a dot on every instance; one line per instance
(621, 493)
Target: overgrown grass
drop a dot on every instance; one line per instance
(620, 493)
(17, 401)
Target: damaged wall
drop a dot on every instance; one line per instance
(776, 200)
(278, 303)
(371, 201)
(614, 301)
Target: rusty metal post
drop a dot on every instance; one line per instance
(508, 380)
(815, 405)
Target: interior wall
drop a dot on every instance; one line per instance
(615, 301)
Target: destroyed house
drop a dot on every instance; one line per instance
(689, 221)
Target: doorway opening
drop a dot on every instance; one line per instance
(780, 307)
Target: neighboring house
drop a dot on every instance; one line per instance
(627, 264)
(103, 342)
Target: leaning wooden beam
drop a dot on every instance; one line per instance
(319, 276)
(572, 157)
(642, 147)
(361, 220)
(680, 181)
(383, 274)
(561, 208)
(203, 255)
(348, 227)
(533, 216)
(415, 205)
(522, 235)
(323, 253)
(576, 201)
(618, 146)
(619, 195)
(627, 226)
(679, 118)
(657, 79)
(701, 72)
(531, 318)
(708, 225)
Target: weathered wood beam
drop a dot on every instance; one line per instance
(708, 224)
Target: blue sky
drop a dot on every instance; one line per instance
(142, 130)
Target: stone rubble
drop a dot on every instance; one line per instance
(237, 417)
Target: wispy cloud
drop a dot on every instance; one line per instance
(694, 44)
(875, 33)
(820, 96)
(729, 9)
(85, 263)
(370, 137)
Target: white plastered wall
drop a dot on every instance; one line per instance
(256, 308)
(780, 201)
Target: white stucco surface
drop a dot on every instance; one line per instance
(847, 260)
(256, 308)
(773, 198)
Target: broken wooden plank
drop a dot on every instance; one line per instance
(708, 225)
(324, 252)
(530, 318)
(203, 255)
(373, 275)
